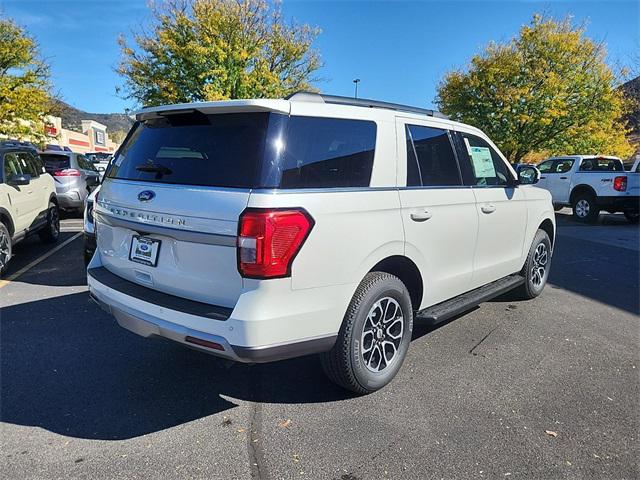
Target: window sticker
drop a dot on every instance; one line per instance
(482, 162)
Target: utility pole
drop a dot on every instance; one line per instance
(356, 81)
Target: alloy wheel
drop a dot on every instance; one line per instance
(382, 334)
(582, 208)
(55, 221)
(4, 248)
(538, 270)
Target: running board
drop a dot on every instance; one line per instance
(460, 304)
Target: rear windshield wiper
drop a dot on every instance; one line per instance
(154, 168)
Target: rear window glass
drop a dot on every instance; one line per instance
(194, 149)
(248, 150)
(53, 162)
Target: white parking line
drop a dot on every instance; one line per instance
(13, 276)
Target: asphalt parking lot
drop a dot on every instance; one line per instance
(543, 389)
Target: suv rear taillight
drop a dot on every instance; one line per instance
(67, 172)
(620, 184)
(269, 240)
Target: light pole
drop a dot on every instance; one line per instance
(356, 81)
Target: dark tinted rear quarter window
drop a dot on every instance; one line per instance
(327, 153)
(430, 158)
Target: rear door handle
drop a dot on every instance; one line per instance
(421, 216)
(543, 178)
(563, 178)
(489, 208)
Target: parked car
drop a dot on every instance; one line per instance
(633, 189)
(75, 176)
(100, 160)
(28, 201)
(258, 230)
(89, 229)
(589, 184)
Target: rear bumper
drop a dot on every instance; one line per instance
(620, 204)
(183, 321)
(70, 199)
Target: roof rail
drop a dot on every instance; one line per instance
(303, 96)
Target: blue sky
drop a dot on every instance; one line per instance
(399, 50)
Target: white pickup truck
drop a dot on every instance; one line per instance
(589, 184)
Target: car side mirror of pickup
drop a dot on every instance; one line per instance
(528, 175)
(20, 180)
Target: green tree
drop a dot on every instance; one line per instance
(200, 50)
(549, 89)
(24, 85)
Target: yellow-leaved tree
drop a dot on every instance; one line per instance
(547, 90)
(24, 85)
(200, 50)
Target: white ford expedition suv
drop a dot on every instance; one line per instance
(259, 230)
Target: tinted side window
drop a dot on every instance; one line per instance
(601, 165)
(486, 165)
(85, 164)
(31, 164)
(546, 167)
(562, 166)
(327, 152)
(430, 152)
(12, 166)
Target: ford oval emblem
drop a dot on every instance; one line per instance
(146, 195)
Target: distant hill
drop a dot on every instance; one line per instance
(632, 90)
(72, 119)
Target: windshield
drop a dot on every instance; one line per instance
(248, 150)
(54, 163)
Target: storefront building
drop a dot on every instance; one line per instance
(94, 137)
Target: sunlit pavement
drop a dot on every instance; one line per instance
(541, 389)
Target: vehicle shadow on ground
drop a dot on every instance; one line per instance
(69, 368)
(67, 271)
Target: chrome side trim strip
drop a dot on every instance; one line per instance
(182, 235)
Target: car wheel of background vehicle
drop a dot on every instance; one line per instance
(585, 209)
(632, 217)
(51, 232)
(5, 248)
(374, 336)
(536, 268)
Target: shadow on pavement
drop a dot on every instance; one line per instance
(69, 368)
(605, 273)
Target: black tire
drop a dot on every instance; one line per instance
(534, 284)
(632, 217)
(51, 232)
(585, 208)
(347, 363)
(5, 248)
(557, 208)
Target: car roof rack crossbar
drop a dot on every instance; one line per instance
(361, 102)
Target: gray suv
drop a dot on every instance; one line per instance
(75, 177)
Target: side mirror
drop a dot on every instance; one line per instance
(528, 175)
(18, 180)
